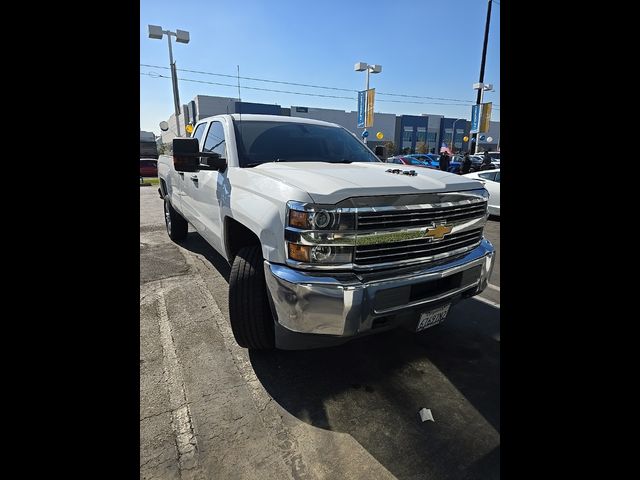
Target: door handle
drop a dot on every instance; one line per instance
(194, 178)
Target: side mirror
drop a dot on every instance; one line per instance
(212, 161)
(185, 154)
(380, 152)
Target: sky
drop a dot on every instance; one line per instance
(427, 48)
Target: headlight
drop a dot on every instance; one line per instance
(307, 216)
(316, 234)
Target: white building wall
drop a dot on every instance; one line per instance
(494, 133)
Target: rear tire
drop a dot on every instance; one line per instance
(177, 226)
(249, 312)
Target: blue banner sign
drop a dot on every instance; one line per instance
(362, 104)
(475, 118)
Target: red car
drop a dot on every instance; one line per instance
(148, 167)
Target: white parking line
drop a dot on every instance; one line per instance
(181, 416)
(493, 287)
(487, 301)
(264, 404)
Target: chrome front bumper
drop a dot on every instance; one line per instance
(347, 304)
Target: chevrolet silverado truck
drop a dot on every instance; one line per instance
(326, 243)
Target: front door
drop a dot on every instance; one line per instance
(207, 189)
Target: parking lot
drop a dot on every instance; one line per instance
(210, 409)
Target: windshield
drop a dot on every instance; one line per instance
(262, 142)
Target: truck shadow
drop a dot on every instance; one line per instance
(196, 244)
(373, 389)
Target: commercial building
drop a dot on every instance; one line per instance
(384, 123)
(407, 132)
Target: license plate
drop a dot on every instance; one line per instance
(432, 317)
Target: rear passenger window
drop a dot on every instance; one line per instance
(198, 132)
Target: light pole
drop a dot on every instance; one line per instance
(484, 58)
(453, 131)
(482, 87)
(362, 66)
(182, 36)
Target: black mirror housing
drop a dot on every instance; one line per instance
(185, 154)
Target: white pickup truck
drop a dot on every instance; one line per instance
(326, 242)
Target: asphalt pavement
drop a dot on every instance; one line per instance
(210, 409)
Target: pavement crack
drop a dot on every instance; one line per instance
(171, 410)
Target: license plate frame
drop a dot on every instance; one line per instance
(433, 317)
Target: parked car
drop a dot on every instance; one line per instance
(495, 158)
(431, 160)
(148, 167)
(476, 163)
(491, 180)
(455, 164)
(407, 160)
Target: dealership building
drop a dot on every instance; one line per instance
(407, 132)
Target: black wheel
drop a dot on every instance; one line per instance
(249, 312)
(177, 226)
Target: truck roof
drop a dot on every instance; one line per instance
(252, 117)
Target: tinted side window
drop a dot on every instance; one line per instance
(215, 140)
(498, 177)
(488, 176)
(198, 132)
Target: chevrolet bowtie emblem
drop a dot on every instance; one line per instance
(438, 232)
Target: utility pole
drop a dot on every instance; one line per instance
(484, 57)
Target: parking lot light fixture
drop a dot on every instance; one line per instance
(182, 36)
(363, 66)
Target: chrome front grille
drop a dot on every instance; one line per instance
(417, 249)
(386, 219)
(390, 231)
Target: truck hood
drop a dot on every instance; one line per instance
(333, 182)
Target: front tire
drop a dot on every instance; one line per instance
(177, 226)
(249, 312)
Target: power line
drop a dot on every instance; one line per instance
(157, 75)
(470, 102)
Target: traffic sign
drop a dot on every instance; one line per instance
(365, 134)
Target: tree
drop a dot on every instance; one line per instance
(391, 148)
(421, 147)
(165, 148)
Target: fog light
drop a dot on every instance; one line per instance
(320, 253)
